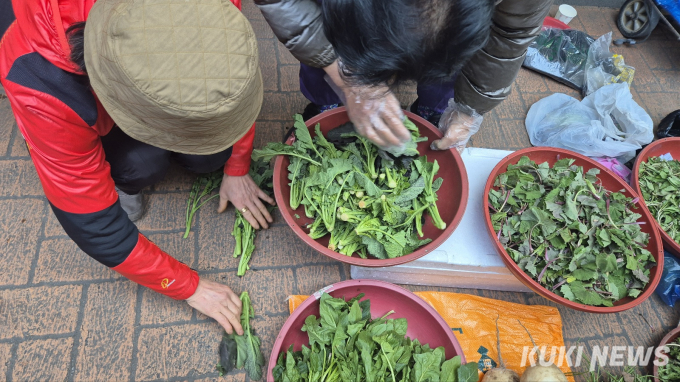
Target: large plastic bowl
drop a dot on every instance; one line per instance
(655, 149)
(424, 323)
(669, 338)
(452, 201)
(611, 182)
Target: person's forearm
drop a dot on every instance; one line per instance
(333, 72)
(147, 265)
(486, 80)
(238, 163)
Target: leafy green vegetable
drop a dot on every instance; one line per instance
(368, 203)
(660, 186)
(345, 344)
(671, 372)
(568, 233)
(202, 187)
(248, 354)
(244, 234)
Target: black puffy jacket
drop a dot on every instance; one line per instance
(485, 80)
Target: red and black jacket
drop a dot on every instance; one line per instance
(62, 121)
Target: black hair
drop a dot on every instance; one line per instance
(76, 40)
(395, 41)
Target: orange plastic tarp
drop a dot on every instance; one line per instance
(473, 320)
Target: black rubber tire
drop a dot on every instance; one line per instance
(637, 19)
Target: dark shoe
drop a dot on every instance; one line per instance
(312, 110)
(133, 205)
(426, 113)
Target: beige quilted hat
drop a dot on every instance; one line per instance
(181, 75)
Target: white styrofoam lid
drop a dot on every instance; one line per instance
(470, 245)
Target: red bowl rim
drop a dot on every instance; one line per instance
(535, 286)
(642, 157)
(671, 336)
(355, 260)
(551, 22)
(313, 298)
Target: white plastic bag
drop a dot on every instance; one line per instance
(607, 123)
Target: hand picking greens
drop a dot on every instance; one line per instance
(575, 238)
(346, 345)
(242, 351)
(660, 186)
(369, 202)
(243, 232)
(202, 187)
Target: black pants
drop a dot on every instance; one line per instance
(135, 165)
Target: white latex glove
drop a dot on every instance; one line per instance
(374, 110)
(458, 123)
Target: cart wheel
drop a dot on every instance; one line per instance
(637, 19)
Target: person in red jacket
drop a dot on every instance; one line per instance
(106, 94)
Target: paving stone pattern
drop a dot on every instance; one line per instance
(65, 317)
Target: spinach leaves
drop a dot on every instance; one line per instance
(671, 372)
(242, 351)
(368, 203)
(346, 345)
(572, 236)
(660, 186)
(201, 188)
(244, 234)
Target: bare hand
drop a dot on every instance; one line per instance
(219, 302)
(243, 192)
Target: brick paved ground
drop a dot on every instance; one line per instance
(65, 317)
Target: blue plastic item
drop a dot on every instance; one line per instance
(672, 7)
(669, 286)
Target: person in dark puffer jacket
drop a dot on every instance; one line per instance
(464, 55)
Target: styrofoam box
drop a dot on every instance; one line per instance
(467, 259)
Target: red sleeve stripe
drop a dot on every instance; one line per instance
(149, 266)
(239, 162)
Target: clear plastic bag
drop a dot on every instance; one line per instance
(669, 286)
(603, 67)
(607, 123)
(560, 54)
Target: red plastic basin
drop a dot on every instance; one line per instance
(611, 182)
(424, 323)
(453, 193)
(655, 149)
(551, 22)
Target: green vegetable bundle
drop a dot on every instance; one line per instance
(242, 351)
(244, 234)
(368, 203)
(201, 188)
(346, 345)
(660, 186)
(568, 233)
(671, 372)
